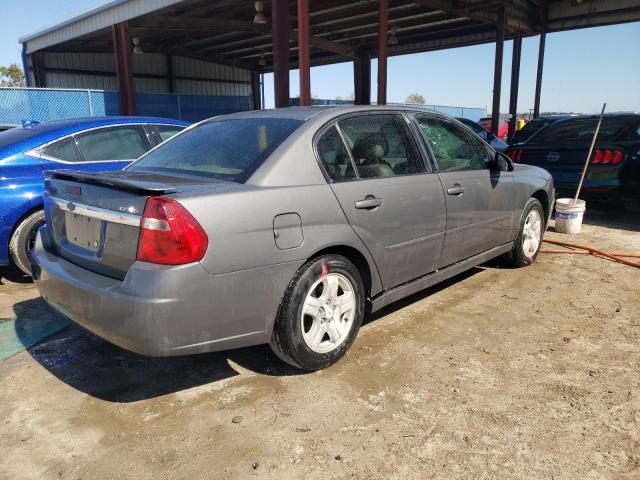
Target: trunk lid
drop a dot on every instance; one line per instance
(94, 219)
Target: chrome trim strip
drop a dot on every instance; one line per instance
(97, 212)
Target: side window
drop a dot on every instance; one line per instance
(64, 149)
(382, 146)
(112, 143)
(453, 148)
(168, 131)
(334, 156)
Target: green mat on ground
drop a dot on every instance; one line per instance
(18, 334)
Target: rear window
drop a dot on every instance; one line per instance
(225, 149)
(612, 129)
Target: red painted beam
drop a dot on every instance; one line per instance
(383, 29)
(304, 61)
(280, 34)
(122, 48)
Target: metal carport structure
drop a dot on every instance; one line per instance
(233, 41)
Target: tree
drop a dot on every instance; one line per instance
(415, 98)
(11, 76)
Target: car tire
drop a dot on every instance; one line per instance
(526, 246)
(23, 239)
(320, 314)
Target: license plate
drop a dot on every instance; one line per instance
(82, 231)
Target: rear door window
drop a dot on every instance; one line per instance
(382, 146)
(229, 149)
(64, 150)
(126, 142)
(334, 156)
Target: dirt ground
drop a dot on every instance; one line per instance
(531, 373)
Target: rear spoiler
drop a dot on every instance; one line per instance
(113, 180)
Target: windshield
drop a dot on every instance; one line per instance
(226, 149)
(612, 129)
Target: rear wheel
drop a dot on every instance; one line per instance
(531, 228)
(23, 240)
(320, 314)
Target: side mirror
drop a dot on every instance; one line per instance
(503, 162)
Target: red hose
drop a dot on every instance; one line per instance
(616, 256)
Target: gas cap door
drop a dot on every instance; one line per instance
(287, 231)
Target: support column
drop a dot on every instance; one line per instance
(255, 91)
(37, 64)
(122, 48)
(515, 82)
(303, 53)
(280, 35)
(170, 79)
(497, 72)
(362, 79)
(543, 39)
(383, 29)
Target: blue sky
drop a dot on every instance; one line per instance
(583, 68)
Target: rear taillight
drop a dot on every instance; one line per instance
(169, 234)
(515, 155)
(604, 156)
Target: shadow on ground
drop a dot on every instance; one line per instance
(612, 218)
(102, 370)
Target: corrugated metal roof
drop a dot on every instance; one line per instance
(93, 20)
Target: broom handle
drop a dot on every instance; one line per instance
(593, 144)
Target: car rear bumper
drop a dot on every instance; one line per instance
(164, 310)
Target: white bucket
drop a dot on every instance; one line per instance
(569, 215)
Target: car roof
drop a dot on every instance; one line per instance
(83, 123)
(23, 138)
(321, 113)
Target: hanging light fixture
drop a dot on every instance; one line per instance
(136, 46)
(262, 61)
(393, 35)
(259, 17)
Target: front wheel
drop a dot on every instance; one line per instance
(23, 240)
(531, 228)
(320, 314)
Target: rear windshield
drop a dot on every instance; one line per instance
(612, 129)
(226, 149)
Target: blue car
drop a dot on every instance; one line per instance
(88, 144)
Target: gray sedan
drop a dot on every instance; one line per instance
(281, 227)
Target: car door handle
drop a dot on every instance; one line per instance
(368, 203)
(455, 190)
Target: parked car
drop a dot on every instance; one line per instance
(281, 227)
(535, 125)
(89, 144)
(497, 144)
(614, 170)
(503, 126)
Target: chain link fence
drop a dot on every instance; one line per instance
(44, 104)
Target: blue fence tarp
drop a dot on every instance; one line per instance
(17, 104)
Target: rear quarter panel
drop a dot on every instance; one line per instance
(240, 226)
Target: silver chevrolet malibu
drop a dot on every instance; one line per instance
(282, 227)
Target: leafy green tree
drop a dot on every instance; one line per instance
(11, 76)
(415, 98)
